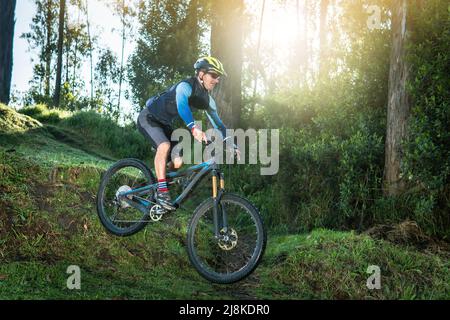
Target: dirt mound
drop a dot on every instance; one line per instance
(407, 233)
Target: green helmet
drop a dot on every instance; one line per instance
(210, 64)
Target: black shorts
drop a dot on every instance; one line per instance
(153, 130)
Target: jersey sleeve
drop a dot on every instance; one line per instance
(214, 118)
(183, 91)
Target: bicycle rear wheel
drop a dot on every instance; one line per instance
(238, 250)
(115, 213)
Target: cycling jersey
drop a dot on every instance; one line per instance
(179, 100)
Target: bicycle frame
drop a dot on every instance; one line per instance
(203, 169)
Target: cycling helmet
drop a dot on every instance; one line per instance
(210, 64)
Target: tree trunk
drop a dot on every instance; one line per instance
(398, 101)
(7, 22)
(48, 48)
(122, 54)
(56, 98)
(257, 64)
(306, 46)
(226, 45)
(300, 63)
(67, 45)
(75, 51)
(323, 38)
(90, 53)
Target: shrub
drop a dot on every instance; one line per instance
(122, 142)
(42, 113)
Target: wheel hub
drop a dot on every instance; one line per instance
(228, 239)
(123, 204)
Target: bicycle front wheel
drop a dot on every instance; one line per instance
(237, 250)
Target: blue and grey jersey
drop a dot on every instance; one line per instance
(179, 100)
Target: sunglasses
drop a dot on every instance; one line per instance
(214, 75)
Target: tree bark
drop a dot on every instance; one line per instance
(7, 22)
(48, 48)
(307, 43)
(226, 45)
(56, 98)
(323, 38)
(122, 54)
(90, 53)
(398, 101)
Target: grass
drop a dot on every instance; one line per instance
(334, 265)
(48, 222)
(92, 130)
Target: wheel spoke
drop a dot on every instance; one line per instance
(238, 249)
(115, 212)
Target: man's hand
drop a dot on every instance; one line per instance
(237, 152)
(199, 135)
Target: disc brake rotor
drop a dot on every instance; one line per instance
(228, 240)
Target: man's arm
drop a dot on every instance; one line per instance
(218, 124)
(214, 117)
(183, 93)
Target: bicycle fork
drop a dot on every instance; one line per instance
(220, 218)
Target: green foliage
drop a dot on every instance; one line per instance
(332, 134)
(11, 121)
(64, 134)
(337, 263)
(427, 163)
(107, 73)
(47, 224)
(121, 142)
(43, 37)
(78, 44)
(331, 158)
(42, 113)
(167, 47)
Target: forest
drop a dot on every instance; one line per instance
(359, 91)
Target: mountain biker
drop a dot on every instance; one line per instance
(155, 121)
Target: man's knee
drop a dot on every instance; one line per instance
(177, 163)
(163, 148)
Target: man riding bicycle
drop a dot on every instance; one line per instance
(155, 120)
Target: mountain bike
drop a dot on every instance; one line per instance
(226, 237)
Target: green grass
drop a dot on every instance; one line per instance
(48, 222)
(333, 265)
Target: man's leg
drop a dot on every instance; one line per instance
(156, 135)
(163, 196)
(162, 153)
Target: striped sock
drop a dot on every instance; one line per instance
(162, 185)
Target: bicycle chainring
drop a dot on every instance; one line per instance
(156, 212)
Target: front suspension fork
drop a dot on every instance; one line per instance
(220, 218)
